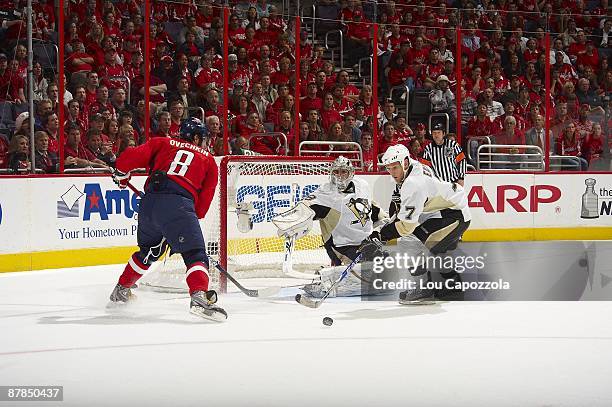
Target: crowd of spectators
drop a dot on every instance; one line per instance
(502, 63)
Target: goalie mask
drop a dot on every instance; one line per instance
(341, 173)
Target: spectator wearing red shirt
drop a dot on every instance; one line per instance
(433, 68)
(102, 101)
(212, 107)
(578, 47)
(532, 53)
(329, 114)
(418, 55)
(237, 76)
(570, 144)
(79, 60)
(358, 38)
(266, 33)
(341, 102)
(388, 138)
(592, 146)
(396, 38)
(163, 125)
(4, 145)
(351, 92)
(284, 75)
(311, 101)
(11, 84)
(590, 57)
(177, 111)
(367, 149)
(236, 32)
(91, 89)
(75, 154)
(110, 28)
(480, 125)
(206, 74)
(419, 135)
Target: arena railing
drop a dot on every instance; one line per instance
(360, 73)
(341, 150)
(405, 93)
(341, 42)
(564, 163)
(521, 157)
(472, 146)
(443, 115)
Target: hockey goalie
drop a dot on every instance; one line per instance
(347, 216)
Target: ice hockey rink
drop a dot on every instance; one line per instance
(56, 330)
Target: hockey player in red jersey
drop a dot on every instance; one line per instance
(179, 190)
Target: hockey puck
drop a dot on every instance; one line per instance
(327, 321)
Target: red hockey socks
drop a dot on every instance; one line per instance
(197, 279)
(134, 269)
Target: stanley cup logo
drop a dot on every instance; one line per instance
(590, 201)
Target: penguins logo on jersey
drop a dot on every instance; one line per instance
(361, 209)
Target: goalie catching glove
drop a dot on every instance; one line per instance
(121, 179)
(296, 222)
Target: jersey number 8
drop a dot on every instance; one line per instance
(180, 164)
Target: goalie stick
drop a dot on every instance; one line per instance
(262, 292)
(311, 303)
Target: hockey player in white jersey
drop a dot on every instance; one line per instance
(347, 216)
(418, 191)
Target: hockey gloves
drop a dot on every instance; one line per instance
(372, 247)
(121, 179)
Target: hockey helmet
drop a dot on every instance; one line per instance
(192, 127)
(338, 167)
(396, 154)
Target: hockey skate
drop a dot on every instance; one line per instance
(449, 293)
(417, 296)
(202, 305)
(120, 296)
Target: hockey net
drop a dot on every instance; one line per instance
(271, 185)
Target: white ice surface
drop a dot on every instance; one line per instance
(55, 330)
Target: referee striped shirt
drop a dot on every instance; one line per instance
(447, 160)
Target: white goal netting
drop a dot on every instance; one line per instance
(270, 185)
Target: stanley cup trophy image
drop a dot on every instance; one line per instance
(590, 201)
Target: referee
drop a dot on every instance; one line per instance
(445, 157)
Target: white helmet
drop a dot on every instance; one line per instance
(396, 154)
(339, 164)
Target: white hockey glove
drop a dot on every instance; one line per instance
(244, 211)
(121, 179)
(296, 222)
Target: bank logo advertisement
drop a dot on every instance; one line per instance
(97, 203)
(91, 211)
(68, 205)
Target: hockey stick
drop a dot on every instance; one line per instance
(263, 292)
(309, 302)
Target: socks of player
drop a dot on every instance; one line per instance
(197, 277)
(134, 269)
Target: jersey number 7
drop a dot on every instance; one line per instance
(410, 210)
(180, 164)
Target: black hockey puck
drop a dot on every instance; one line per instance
(327, 321)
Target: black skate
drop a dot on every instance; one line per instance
(202, 305)
(448, 292)
(417, 296)
(122, 294)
